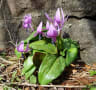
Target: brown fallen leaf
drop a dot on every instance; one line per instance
(83, 80)
(88, 67)
(73, 65)
(74, 71)
(10, 68)
(27, 88)
(42, 88)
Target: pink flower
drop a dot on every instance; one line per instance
(39, 31)
(20, 47)
(57, 16)
(52, 32)
(39, 28)
(59, 19)
(47, 25)
(28, 19)
(27, 22)
(47, 16)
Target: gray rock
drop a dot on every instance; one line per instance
(78, 8)
(84, 31)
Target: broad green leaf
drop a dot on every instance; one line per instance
(50, 68)
(45, 66)
(30, 72)
(93, 88)
(71, 54)
(32, 79)
(37, 43)
(43, 46)
(31, 38)
(28, 64)
(18, 54)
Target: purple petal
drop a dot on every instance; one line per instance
(62, 23)
(25, 26)
(35, 34)
(52, 32)
(27, 48)
(47, 16)
(31, 27)
(57, 16)
(20, 47)
(27, 19)
(55, 23)
(39, 28)
(47, 25)
(62, 13)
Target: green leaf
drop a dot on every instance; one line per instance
(44, 46)
(71, 54)
(37, 43)
(62, 53)
(30, 72)
(92, 72)
(50, 68)
(93, 88)
(32, 79)
(66, 43)
(28, 64)
(18, 54)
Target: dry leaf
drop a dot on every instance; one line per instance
(88, 67)
(27, 88)
(74, 71)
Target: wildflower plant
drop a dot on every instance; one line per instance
(48, 53)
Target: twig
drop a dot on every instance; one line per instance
(35, 85)
(12, 43)
(6, 61)
(7, 29)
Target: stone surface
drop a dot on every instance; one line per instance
(84, 31)
(76, 8)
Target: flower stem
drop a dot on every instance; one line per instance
(52, 41)
(39, 36)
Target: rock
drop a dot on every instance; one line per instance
(78, 8)
(84, 31)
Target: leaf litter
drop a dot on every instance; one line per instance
(77, 74)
